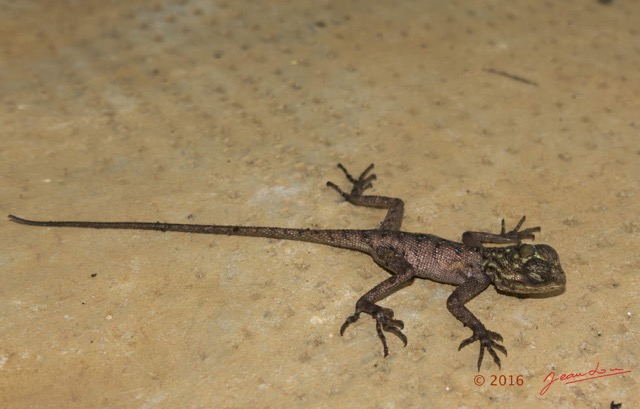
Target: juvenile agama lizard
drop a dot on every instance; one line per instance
(517, 268)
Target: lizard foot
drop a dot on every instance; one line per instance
(516, 235)
(487, 341)
(359, 185)
(384, 322)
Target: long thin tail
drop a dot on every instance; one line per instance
(350, 239)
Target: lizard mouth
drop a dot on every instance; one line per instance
(554, 282)
(548, 288)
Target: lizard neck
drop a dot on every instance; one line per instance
(498, 262)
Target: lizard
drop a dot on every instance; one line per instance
(517, 268)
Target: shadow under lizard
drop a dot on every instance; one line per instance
(518, 268)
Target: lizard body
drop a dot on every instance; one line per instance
(472, 267)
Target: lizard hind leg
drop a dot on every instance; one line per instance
(383, 316)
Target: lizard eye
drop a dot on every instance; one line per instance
(526, 250)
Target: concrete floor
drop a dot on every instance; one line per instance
(237, 113)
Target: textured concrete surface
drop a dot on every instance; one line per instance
(237, 112)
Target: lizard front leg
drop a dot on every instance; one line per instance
(477, 239)
(395, 206)
(455, 303)
(389, 259)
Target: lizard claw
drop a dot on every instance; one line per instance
(359, 185)
(516, 234)
(488, 340)
(384, 322)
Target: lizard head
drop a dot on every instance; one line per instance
(525, 269)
